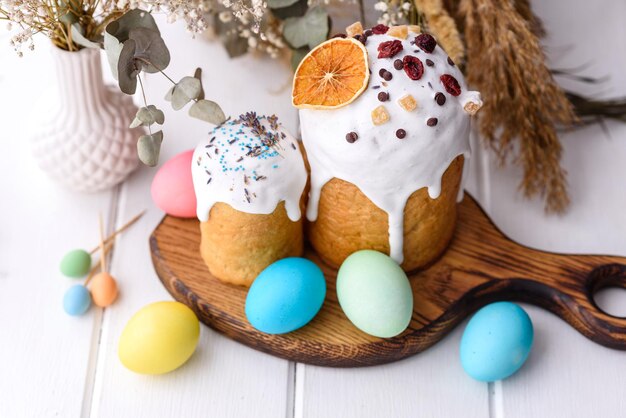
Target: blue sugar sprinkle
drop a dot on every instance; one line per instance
(274, 166)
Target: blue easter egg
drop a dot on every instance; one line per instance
(496, 341)
(77, 300)
(285, 296)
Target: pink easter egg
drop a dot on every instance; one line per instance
(172, 187)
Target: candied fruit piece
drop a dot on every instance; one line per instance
(399, 31)
(472, 108)
(354, 29)
(408, 103)
(380, 115)
(414, 29)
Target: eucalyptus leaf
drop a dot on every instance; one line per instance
(150, 49)
(189, 86)
(149, 148)
(278, 4)
(169, 94)
(147, 116)
(207, 111)
(198, 74)
(79, 38)
(308, 30)
(128, 69)
(117, 32)
(186, 90)
(299, 8)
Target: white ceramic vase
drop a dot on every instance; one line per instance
(82, 138)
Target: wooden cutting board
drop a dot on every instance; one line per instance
(481, 266)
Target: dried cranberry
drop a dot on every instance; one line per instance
(426, 42)
(380, 29)
(451, 85)
(389, 48)
(413, 67)
(368, 32)
(339, 35)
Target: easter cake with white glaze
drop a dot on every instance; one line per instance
(386, 167)
(249, 178)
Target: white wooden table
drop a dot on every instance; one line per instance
(52, 365)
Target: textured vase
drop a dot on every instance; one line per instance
(82, 138)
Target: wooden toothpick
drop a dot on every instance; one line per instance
(103, 265)
(119, 231)
(95, 268)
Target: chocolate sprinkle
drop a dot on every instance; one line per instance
(397, 64)
(351, 137)
(432, 122)
(376, 87)
(430, 63)
(293, 145)
(383, 96)
(401, 133)
(450, 61)
(440, 98)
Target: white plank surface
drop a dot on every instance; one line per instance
(45, 355)
(223, 378)
(53, 365)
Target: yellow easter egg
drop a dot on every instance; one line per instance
(103, 289)
(159, 338)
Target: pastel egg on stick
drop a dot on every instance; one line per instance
(76, 300)
(103, 286)
(76, 263)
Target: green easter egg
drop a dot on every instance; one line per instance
(375, 293)
(76, 263)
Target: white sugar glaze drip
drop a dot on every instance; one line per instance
(236, 167)
(387, 169)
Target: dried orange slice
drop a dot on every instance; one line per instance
(332, 75)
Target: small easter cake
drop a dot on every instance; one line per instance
(385, 119)
(249, 178)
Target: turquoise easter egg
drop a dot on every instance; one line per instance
(496, 341)
(375, 294)
(76, 300)
(76, 263)
(285, 296)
